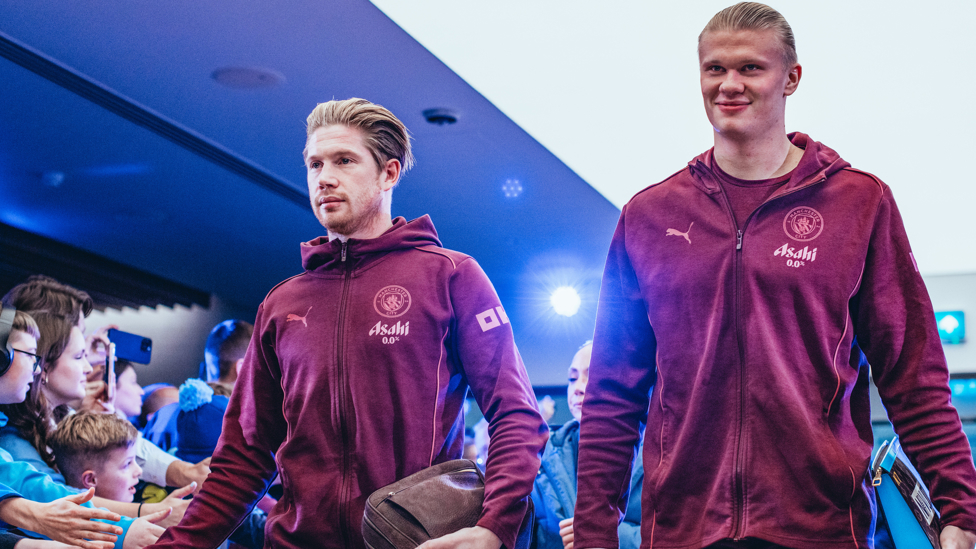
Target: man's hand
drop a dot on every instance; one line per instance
(145, 531)
(175, 502)
(566, 532)
(181, 473)
(465, 538)
(957, 538)
(64, 520)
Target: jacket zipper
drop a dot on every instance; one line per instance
(739, 504)
(341, 390)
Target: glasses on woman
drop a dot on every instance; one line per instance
(37, 359)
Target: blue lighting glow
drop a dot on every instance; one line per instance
(117, 169)
(565, 301)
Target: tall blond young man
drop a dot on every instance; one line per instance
(743, 299)
(358, 367)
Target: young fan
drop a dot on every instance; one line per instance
(97, 451)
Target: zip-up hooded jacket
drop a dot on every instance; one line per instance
(355, 377)
(743, 349)
(554, 494)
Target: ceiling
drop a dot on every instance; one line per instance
(115, 139)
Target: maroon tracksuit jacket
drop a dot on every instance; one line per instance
(355, 378)
(738, 349)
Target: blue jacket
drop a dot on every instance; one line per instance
(554, 492)
(21, 450)
(34, 485)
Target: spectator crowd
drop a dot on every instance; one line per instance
(94, 464)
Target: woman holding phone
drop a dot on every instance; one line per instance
(41, 293)
(62, 380)
(43, 505)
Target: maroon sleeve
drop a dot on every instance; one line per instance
(494, 370)
(622, 372)
(895, 327)
(243, 463)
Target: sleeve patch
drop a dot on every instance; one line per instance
(492, 318)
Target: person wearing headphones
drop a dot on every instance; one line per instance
(70, 520)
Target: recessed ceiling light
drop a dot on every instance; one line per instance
(247, 78)
(441, 116)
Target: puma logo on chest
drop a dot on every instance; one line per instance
(676, 232)
(294, 317)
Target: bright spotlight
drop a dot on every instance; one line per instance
(565, 301)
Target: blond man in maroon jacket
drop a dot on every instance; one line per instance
(358, 367)
(739, 299)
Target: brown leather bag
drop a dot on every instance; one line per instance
(429, 504)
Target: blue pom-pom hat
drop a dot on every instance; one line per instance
(200, 420)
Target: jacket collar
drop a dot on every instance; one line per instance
(321, 255)
(817, 163)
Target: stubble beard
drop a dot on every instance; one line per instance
(358, 217)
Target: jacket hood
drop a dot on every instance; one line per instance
(817, 163)
(322, 255)
(559, 437)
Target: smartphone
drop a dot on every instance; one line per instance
(131, 347)
(108, 376)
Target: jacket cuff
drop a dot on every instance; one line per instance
(125, 523)
(508, 539)
(590, 543)
(961, 521)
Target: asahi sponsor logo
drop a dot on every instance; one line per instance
(390, 333)
(399, 329)
(796, 257)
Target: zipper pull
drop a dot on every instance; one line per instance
(738, 240)
(344, 244)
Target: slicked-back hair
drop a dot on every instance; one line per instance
(82, 441)
(383, 133)
(754, 16)
(43, 293)
(227, 344)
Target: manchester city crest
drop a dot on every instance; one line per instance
(392, 301)
(803, 224)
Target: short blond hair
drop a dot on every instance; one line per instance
(82, 440)
(384, 135)
(754, 16)
(24, 322)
